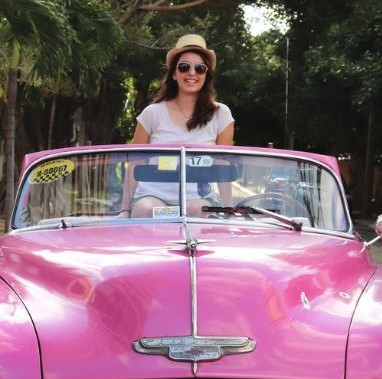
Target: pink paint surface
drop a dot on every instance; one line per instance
(73, 301)
(92, 291)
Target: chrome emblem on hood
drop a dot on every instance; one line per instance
(194, 349)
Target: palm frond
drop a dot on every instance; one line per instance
(98, 38)
(42, 24)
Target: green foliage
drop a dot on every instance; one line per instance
(72, 38)
(41, 25)
(4, 57)
(126, 121)
(334, 70)
(351, 53)
(259, 98)
(335, 48)
(98, 37)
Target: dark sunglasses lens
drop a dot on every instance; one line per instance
(200, 68)
(184, 67)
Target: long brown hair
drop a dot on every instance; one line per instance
(204, 106)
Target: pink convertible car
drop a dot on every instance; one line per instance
(258, 281)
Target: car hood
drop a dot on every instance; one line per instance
(92, 291)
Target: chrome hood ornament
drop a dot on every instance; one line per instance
(194, 348)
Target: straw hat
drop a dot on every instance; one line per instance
(191, 42)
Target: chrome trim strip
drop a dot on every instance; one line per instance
(183, 204)
(194, 297)
(191, 248)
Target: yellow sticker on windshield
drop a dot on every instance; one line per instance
(167, 163)
(51, 171)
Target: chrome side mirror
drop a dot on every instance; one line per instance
(378, 230)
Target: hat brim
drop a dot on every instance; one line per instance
(175, 51)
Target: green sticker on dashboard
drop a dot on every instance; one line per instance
(51, 171)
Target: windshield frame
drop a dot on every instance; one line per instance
(184, 152)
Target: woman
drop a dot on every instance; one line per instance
(183, 112)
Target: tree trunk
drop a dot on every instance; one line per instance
(368, 179)
(10, 128)
(52, 117)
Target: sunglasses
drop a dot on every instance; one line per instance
(200, 68)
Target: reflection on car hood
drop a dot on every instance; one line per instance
(96, 290)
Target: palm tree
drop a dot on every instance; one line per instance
(29, 23)
(97, 40)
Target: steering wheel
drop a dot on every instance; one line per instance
(276, 202)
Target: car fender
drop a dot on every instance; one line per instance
(19, 350)
(365, 334)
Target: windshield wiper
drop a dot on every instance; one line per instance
(245, 211)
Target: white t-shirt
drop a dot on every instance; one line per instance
(156, 121)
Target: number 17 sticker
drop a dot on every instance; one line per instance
(200, 161)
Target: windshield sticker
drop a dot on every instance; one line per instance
(200, 161)
(167, 163)
(50, 171)
(166, 212)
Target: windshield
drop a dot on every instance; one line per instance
(136, 185)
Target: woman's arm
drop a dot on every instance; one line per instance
(226, 136)
(140, 135)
